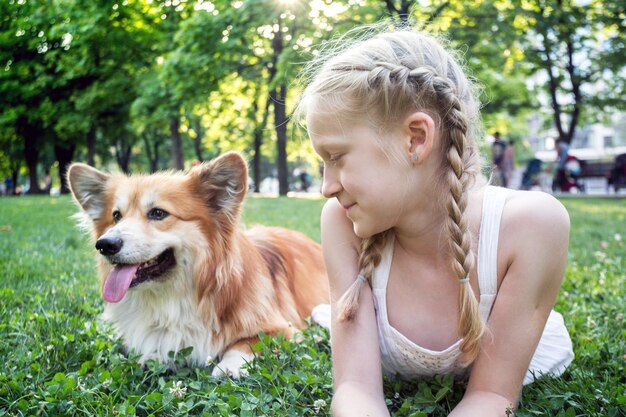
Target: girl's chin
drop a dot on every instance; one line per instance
(362, 231)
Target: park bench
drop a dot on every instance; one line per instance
(595, 169)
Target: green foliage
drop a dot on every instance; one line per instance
(58, 358)
(563, 58)
(121, 73)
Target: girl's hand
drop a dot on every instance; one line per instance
(356, 400)
(483, 404)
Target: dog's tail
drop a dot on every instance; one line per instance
(321, 315)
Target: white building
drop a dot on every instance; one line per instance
(594, 143)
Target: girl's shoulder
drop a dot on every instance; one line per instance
(534, 208)
(533, 222)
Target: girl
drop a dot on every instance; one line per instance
(431, 270)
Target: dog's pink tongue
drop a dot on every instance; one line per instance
(118, 281)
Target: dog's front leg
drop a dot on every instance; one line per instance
(234, 358)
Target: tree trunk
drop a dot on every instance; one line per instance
(177, 147)
(91, 146)
(550, 52)
(258, 142)
(122, 155)
(64, 157)
(154, 164)
(31, 154)
(30, 134)
(152, 149)
(197, 142)
(256, 159)
(576, 93)
(14, 175)
(401, 12)
(257, 137)
(280, 116)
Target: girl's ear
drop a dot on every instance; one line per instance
(420, 128)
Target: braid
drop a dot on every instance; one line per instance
(460, 159)
(369, 258)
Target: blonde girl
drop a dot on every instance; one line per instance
(431, 270)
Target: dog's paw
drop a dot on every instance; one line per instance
(232, 364)
(321, 315)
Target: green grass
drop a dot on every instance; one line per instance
(58, 358)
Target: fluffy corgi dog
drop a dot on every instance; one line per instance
(177, 270)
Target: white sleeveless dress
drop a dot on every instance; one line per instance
(403, 358)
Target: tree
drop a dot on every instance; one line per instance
(11, 155)
(25, 83)
(70, 74)
(572, 52)
(259, 126)
(150, 115)
(279, 36)
(575, 47)
(193, 58)
(492, 52)
(278, 97)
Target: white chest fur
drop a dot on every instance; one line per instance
(157, 318)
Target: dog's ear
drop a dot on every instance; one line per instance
(88, 188)
(223, 182)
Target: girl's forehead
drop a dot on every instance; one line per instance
(332, 115)
(321, 120)
(326, 132)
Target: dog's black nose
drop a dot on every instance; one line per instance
(109, 245)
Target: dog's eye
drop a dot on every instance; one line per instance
(157, 214)
(117, 216)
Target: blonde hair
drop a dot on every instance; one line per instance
(386, 75)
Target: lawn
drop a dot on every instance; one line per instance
(58, 358)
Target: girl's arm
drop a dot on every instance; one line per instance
(355, 351)
(532, 252)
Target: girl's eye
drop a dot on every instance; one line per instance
(334, 159)
(157, 214)
(117, 216)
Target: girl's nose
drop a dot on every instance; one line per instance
(330, 185)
